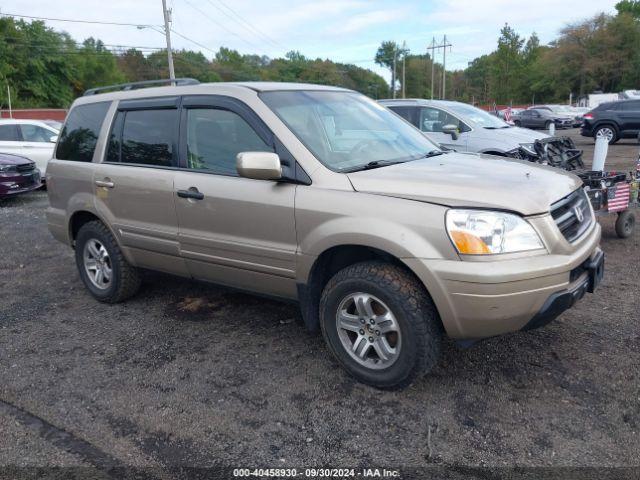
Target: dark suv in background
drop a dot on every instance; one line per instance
(613, 120)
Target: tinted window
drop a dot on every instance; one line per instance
(34, 133)
(631, 106)
(149, 137)
(408, 113)
(80, 133)
(115, 139)
(215, 137)
(9, 133)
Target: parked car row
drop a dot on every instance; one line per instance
(26, 146)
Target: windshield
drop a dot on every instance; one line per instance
(346, 130)
(479, 117)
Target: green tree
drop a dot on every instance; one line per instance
(388, 55)
(631, 7)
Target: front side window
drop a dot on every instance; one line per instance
(80, 132)
(148, 137)
(433, 119)
(34, 133)
(631, 106)
(216, 136)
(347, 131)
(9, 133)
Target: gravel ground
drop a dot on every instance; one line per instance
(192, 375)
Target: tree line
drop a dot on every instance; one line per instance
(599, 53)
(47, 68)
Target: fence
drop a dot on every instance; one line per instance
(58, 114)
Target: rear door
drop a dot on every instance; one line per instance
(134, 184)
(38, 143)
(630, 117)
(232, 230)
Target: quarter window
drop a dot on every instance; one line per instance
(148, 137)
(216, 136)
(9, 133)
(80, 132)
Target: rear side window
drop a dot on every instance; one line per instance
(9, 133)
(80, 132)
(34, 133)
(144, 137)
(408, 113)
(631, 106)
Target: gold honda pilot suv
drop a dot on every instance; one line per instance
(319, 195)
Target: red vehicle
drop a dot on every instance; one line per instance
(17, 175)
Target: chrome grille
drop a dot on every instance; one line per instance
(572, 215)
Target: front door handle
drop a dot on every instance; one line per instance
(106, 183)
(191, 193)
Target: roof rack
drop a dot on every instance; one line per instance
(143, 84)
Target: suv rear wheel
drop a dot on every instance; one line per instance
(608, 132)
(102, 266)
(380, 324)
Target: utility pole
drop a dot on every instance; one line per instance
(393, 74)
(404, 56)
(167, 33)
(444, 66)
(433, 48)
(9, 98)
(433, 62)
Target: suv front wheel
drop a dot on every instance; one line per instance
(102, 266)
(380, 324)
(608, 132)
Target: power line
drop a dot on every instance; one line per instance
(253, 45)
(193, 41)
(75, 20)
(243, 23)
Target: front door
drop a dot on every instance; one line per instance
(135, 183)
(232, 230)
(431, 120)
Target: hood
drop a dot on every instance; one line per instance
(470, 180)
(514, 134)
(8, 159)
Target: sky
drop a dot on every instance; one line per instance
(348, 31)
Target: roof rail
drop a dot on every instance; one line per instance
(143, 84)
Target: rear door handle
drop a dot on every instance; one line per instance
(191, 193)
(106, 183)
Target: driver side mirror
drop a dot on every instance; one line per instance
(53, 139)
(259, 165)
(451, 130)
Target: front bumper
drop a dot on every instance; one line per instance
(18, 183)
(479, 299)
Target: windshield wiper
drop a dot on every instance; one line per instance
(433, 153)
(496, 128)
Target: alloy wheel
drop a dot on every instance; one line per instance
(605, 132)
(97, 264)
(368, 330)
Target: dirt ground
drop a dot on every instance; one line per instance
(192, 375)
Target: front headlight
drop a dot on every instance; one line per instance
(485, 232)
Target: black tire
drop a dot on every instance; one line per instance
(125, 279)
(416, 316)
(613, 129)
(517, 123)
(625, 224)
